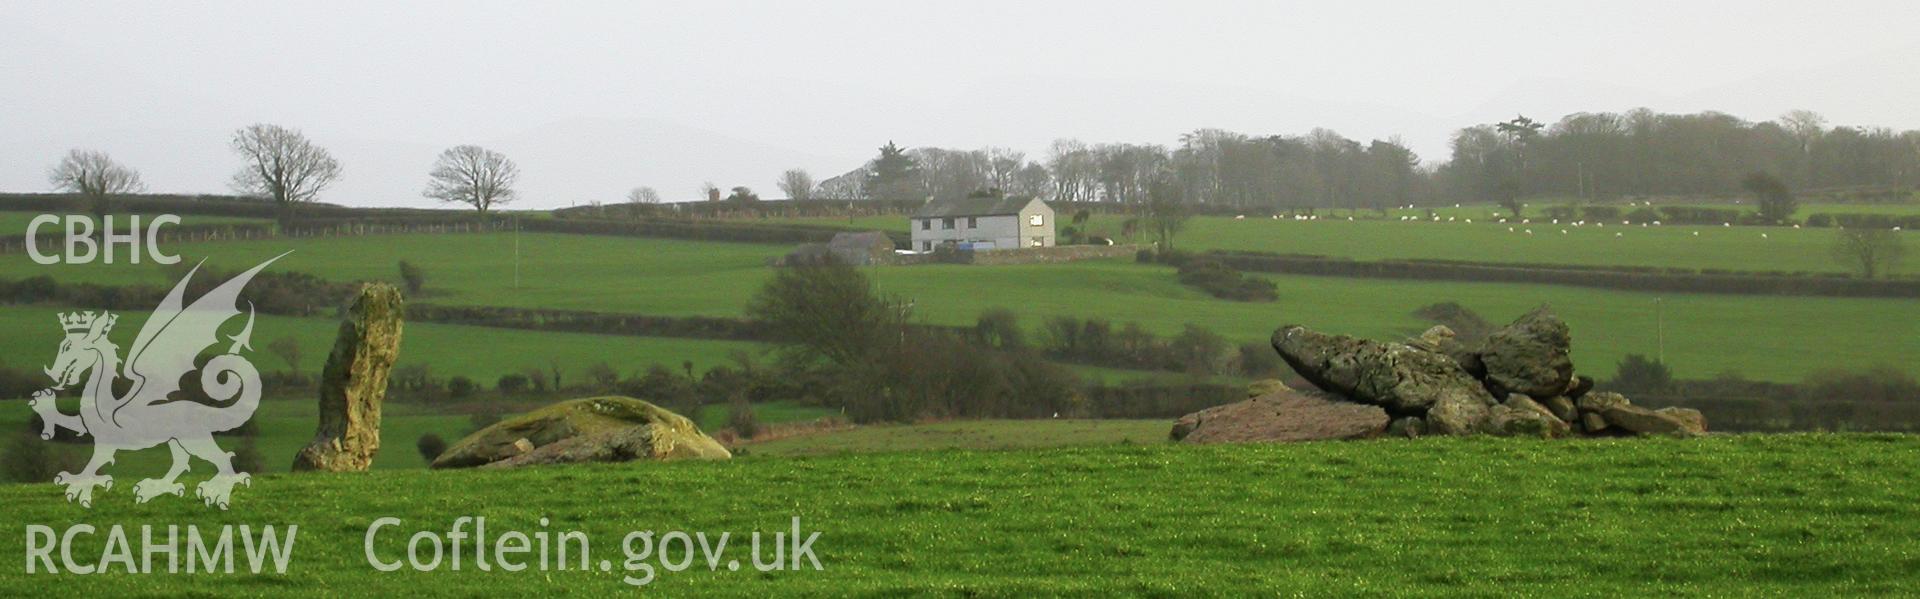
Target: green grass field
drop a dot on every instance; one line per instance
(1724, 248)
(448, 350)
(970, 435)
(1762, 337)
(1785, 515)
(286, 424)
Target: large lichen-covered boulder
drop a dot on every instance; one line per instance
(1281, 416)
(1556, 427)
(1404, 379)
(598, 429)
(354, 383)
(1683, 422)
(1531, 355)
(1457, 415)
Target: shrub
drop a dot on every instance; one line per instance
(430, 446)
(1881, 383)
(31, 460)
(602, 376)
(1198, 350)
(460, 387)
(742, 419)
(1643, 215)
(1637, 374)
(999, 328)
(483, 419)
(1258, 360)
(512, 383)
(1562, 212)
(1602, 213)
(1222, 281)
(413, 277)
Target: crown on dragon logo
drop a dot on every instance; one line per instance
(77, 322)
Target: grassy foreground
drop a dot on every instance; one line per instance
(1795, 515)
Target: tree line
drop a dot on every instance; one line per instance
(1596, 156)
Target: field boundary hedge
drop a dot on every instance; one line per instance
(1627, 279)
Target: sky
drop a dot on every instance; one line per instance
(595, 98)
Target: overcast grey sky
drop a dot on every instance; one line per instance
(594, 98)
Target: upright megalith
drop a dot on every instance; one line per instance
(354, 382)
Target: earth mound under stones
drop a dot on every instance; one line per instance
(1520, 381)
(598, 429)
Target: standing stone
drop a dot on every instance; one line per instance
(1399, 377)
(1531, 355)
(354, 382)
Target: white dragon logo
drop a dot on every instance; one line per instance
(145, 416)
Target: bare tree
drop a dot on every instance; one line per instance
(283, 166)
(474, 176)
(95, 177)
(643, 195)
(797, 184)
(1869, 252)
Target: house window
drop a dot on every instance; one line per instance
(973, 223)
(1036, 220)
(926, 246)
(926, 224)
(1039, 241)
(946, 223)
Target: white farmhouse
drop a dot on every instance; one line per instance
(983, 224)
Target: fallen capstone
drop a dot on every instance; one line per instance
(599, 429)
(1281, 416)
(354, 382)
(1401, 378)
(1531, 355)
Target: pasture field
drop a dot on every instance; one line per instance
(1745, 515)
(970, 435)
(286, 424)
(1762, 337)
(447, 350)
(1672, 246)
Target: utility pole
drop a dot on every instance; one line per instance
(1660, 329)
(516, 252)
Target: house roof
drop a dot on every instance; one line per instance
(973, 207)
(860, 241)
